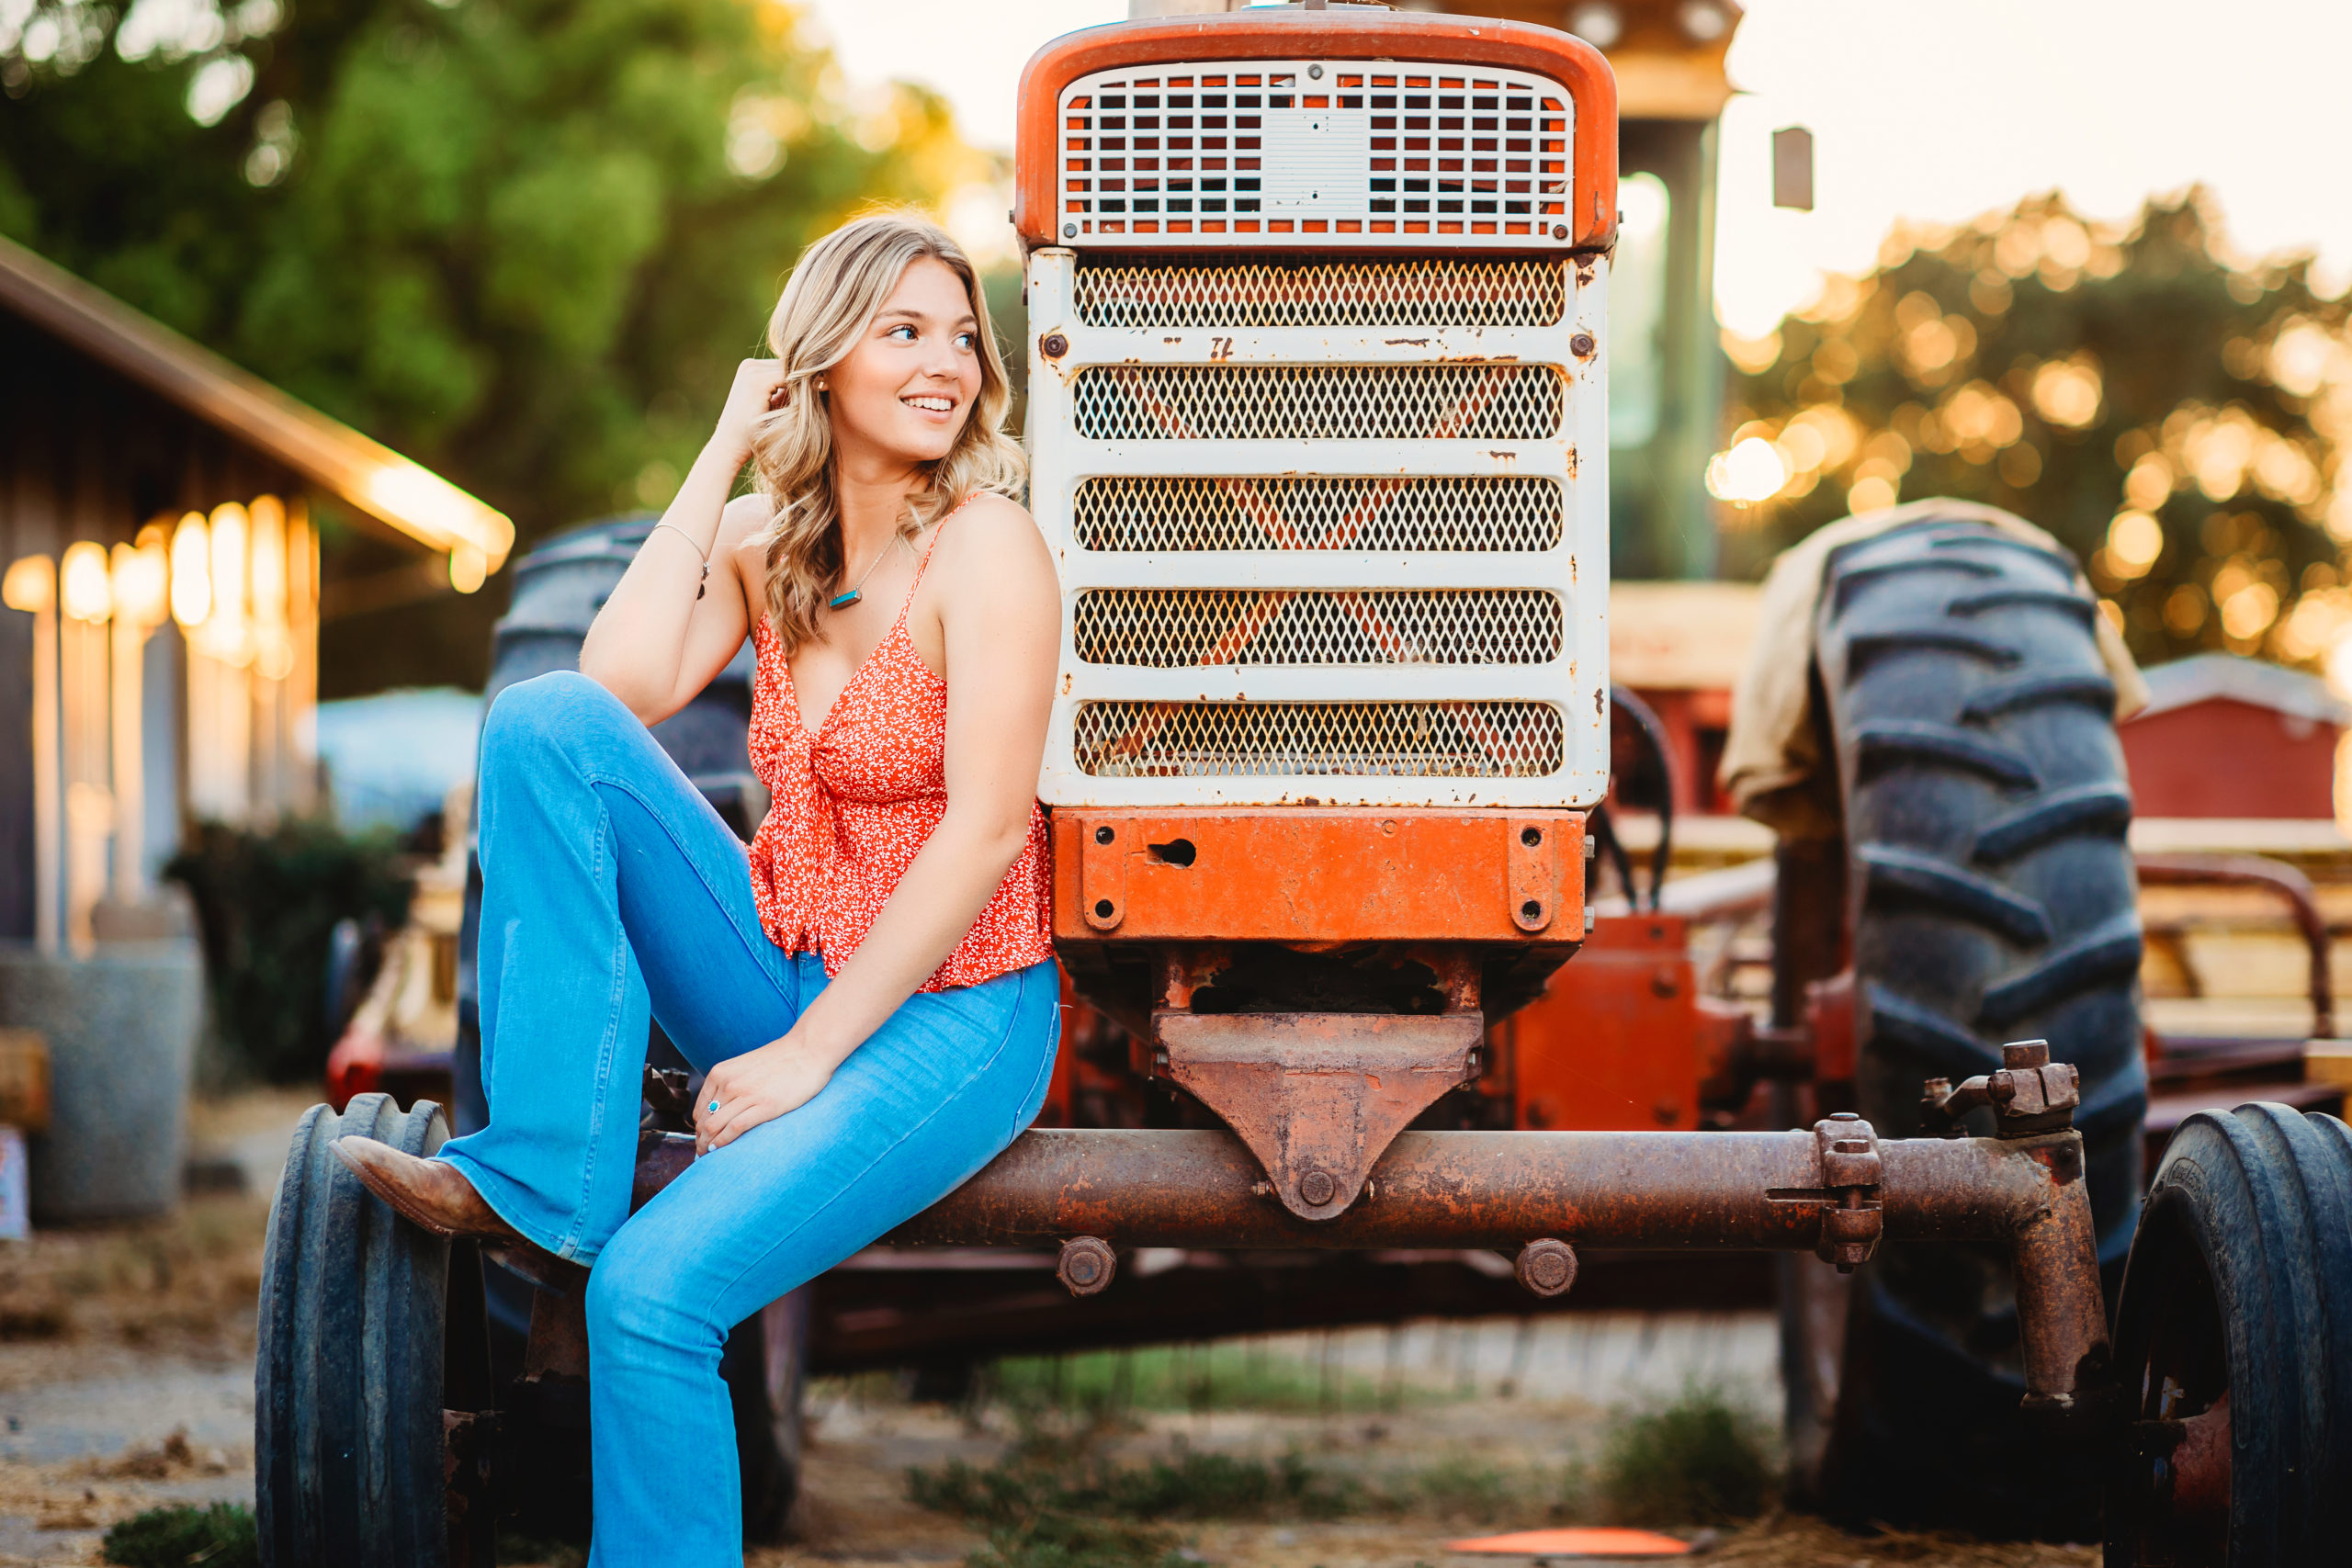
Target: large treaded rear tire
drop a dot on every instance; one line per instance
(1990, 897)
(369, 1330)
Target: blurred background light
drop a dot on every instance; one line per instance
(1750, 471)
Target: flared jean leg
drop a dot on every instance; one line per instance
(933, 1096)
(611, 892)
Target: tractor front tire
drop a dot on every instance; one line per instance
(1990, 897)
(2234, 1350)
(372, 1378)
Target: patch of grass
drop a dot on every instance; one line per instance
(530, 1552)
(1227, 1375)
(1055, 1500)
(1460, 1488)
(1697, 1462)
(219, 1537)
(1063, 1541)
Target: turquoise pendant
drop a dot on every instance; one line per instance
(843, 601)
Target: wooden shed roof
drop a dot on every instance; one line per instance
(367, 475)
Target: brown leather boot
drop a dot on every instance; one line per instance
(432, 1194)
(439, 1198)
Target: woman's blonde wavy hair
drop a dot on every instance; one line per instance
(842, 281)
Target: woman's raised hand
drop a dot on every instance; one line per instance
(750, 400)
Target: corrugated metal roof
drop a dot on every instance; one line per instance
(369, 476)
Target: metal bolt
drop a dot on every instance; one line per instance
(1581, 345)
(1316, 72)
(1069, 231)
(1087, 1265)
(1054, 345)
(1104, 835)
(1547, 1267)
(1104, 908)
(2026, 1054)
(1559, 231)
(1317, 1188)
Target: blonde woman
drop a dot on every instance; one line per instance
(870, 992)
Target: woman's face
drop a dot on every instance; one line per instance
(907, 387)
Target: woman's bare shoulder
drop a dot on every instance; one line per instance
(744, 516)
(994, 534)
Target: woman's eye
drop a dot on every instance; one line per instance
(966, 341)
(903, 333)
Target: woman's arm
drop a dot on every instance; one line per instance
(1000, 617)
(655, 644)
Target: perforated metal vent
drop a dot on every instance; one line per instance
(1457, 740)
(1168, 628)
(1424, 512)
(1399, 154)
(1432, 292)
(1339, 402)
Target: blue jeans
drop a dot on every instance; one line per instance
(611, 891)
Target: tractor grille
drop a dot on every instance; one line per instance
(1213, 151)
(1300, 402)
(1169, 628)
(1442, 739)
(1431, 293)
(1442, 513)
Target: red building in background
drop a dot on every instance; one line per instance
(2229, 736)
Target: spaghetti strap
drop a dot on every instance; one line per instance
(924, 564)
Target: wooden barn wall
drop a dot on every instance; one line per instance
(87, 453)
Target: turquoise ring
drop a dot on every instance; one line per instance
(714, 1105)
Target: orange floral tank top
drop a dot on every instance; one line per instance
(855, 801)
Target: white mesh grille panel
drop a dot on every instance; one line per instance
(1424, 292)
(1339, 403)
(1397, 154)
(1330, 529)
(1444, 739)
(1423, 513)
(1169, 628)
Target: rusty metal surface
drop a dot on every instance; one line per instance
(1546, 1265)
(660, 1156)
(1087, 1265)
(1846, 1149)
(467, 1440)
(1635, 1190)
(558, 1346)
(2029, 1094)
(1317, 1097)
(1317, 874)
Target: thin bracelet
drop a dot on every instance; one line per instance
(701, 587)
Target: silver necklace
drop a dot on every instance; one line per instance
(843, 601)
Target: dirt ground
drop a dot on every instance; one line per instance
(126, 1383)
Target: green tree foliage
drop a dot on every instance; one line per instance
(2175, 417)
(522, 241)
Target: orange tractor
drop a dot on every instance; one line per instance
(1319, 423)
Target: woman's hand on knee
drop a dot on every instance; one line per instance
(758, 1086)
